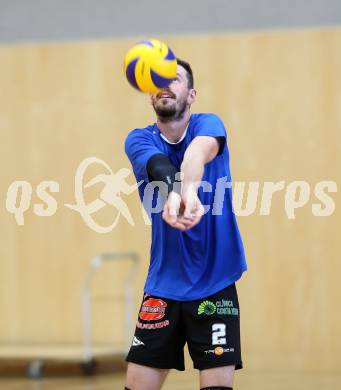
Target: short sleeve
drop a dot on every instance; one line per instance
(139, 147)
(211, 125)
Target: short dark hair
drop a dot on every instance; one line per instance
(189, 71)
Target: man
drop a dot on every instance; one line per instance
(196, 253)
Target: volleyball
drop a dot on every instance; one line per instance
(150, 66)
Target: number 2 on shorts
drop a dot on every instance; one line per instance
(218, 334)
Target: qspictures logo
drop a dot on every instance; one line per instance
(249, 198)
(19, 195)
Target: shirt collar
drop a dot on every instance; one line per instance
(182, 137)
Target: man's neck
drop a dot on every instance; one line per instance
(173, 130)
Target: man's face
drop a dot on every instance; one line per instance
(171, 102)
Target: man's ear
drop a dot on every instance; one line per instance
(192, 96)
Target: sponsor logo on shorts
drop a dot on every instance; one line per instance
(136, 342)
(222, 307)
(157, 325)
(153, 309)
(225, 307)
(218, 351)
(206, 307)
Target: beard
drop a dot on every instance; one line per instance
(169, 112)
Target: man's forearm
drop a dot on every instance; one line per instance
(192, 170)
(199, 152)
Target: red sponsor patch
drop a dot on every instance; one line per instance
(153, 309)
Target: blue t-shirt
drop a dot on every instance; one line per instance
(201, 261)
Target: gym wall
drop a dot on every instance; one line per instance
(278, 93)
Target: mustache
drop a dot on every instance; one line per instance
(166, 91)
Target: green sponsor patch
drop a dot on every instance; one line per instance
(206, 307)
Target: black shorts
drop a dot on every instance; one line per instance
(210, 326)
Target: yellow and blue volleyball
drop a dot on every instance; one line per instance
(150, 66)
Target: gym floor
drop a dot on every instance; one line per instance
(188, 380)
